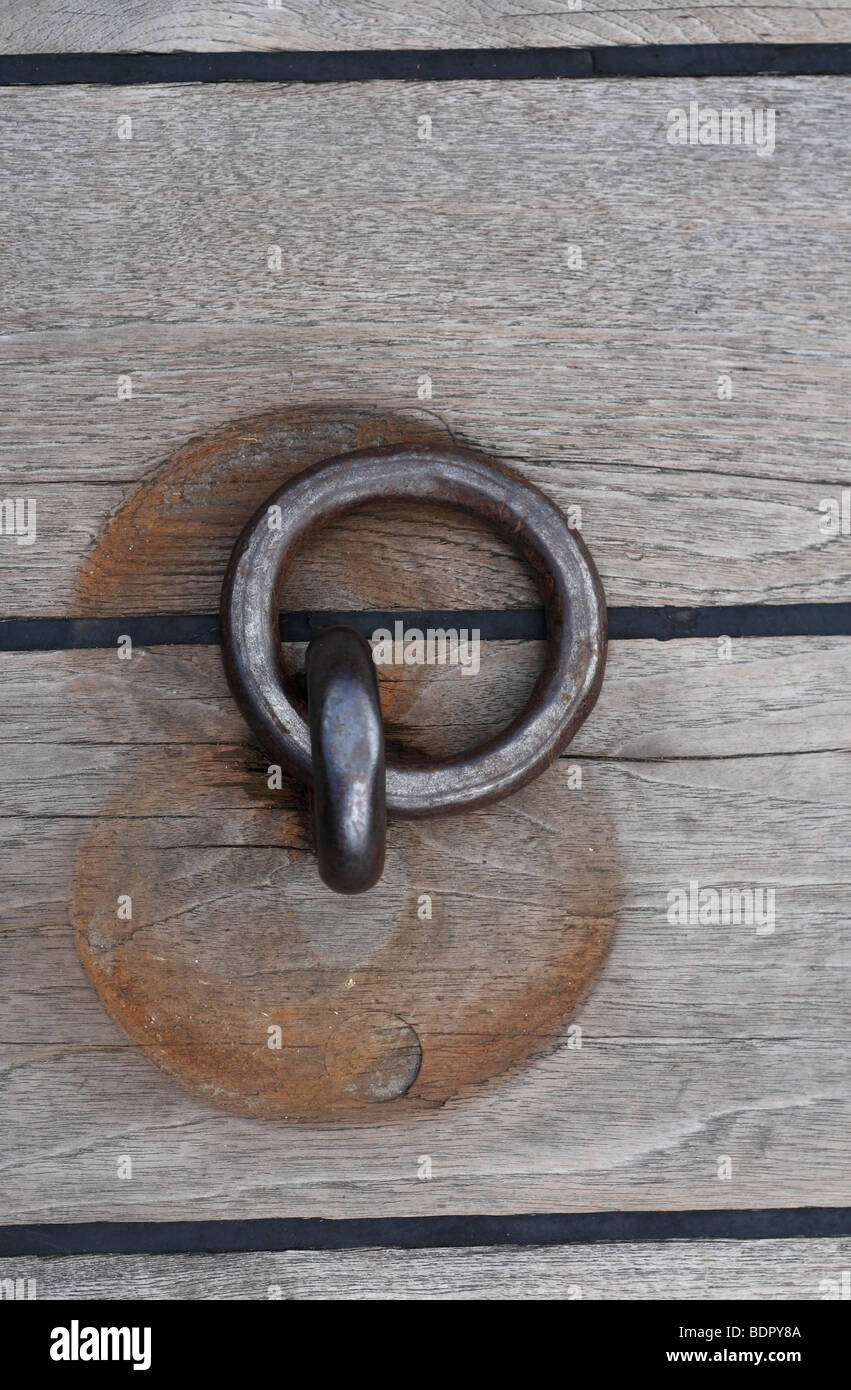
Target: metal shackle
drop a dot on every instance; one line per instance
(339, 748)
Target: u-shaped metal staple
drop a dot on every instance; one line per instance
(347, 747)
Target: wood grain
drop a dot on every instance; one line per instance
(660, 700)
(255, 986)
(403, 258)
(166, 547)
(95, 25)
(697, 1042)
(798, 848)
(702, 1046)
(768, 1270)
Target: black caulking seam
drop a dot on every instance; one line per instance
(432, 65)
(419, 1232)
(519, 625)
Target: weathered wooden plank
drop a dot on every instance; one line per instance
(95, 25)
(687, 540)
(698, 1042)
(660, 700)
(661, 984)
(694, 1269)
(696, 260)
(630, 1127)
(671, 704)
(450, 259)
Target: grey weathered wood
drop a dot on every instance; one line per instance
(157, 25)
(400, 257)
(660, 700)
(773, 821)
(686, 539)
(644, 1126)
(696, 1269)
(403, 257)
(697, 1042)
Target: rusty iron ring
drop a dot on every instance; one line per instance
(573, 597)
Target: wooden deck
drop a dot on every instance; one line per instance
(159, 26)
(260, 276)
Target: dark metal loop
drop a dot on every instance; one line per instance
(347, 744)
(574, 600)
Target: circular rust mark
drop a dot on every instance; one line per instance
(239, 967)
(239, 973)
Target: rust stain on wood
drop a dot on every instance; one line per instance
(231, 941)
(184, 518)
(238, 972)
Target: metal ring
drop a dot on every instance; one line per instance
(347, 743)
(576, 615)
